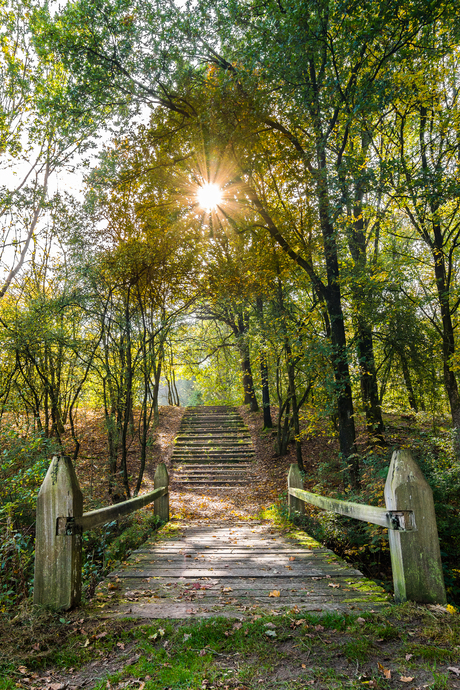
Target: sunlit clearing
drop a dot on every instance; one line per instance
(209, 196)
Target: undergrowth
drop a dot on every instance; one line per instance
(24, 462)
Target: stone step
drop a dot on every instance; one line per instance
(228, 433)
(213, 448)
(195, 448)
(211, 457)
(185, 462)
(195, 445)
(212, 467)
(195, 474)
(212, 481)
(212, 425)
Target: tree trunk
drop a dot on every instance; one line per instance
(448, 341)
(365, 344)
(368, 381)
(268, 424)
(345, 412)
(248, 381)
(408, 381)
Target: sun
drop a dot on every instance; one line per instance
(209, 196)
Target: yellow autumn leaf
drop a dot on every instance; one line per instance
(406, 679)
(275, 593)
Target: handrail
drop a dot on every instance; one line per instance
(401, 520)
(61, 521)
(410, 519)
(96, 518)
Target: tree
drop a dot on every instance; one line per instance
(39, 136)
(420, 164)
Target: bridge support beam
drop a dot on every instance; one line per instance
(57, 576)
(295, 481)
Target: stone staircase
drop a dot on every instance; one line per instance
(213, 448)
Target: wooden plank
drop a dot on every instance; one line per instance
(260, 557)
(189, 610)
(224, 573)
(234, 552)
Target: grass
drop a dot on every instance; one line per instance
(324, 651)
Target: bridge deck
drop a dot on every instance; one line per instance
(232, 570)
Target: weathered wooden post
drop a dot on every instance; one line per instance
(57, 578)
(161, 505)
(296, 505)
(415, 556)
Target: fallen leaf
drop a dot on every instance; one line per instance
(300, 621)
(406, 679)
(187, 637)
(227, 589)
(409, 656)
(86, 643)
(237, 626)
(271, 633)
(331, 584)
(454, 669)
(22, 669)
(360, 620)
(121, 645)
(386, 671)
(292, 558)
(275, 593)
(270, 625)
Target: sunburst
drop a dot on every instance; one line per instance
(209, 196)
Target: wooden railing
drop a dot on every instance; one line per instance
(60, 523)
(410, 519)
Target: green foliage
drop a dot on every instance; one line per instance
(24, 461)
(104, 547)
(441, 467)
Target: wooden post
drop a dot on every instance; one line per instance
(415, 556)
(57, 577)
(295, 481)
(161, 505)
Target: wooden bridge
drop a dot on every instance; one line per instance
(236, 567)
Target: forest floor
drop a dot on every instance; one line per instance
(406, 646)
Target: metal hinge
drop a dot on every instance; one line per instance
(402, 520)
(65, 526)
